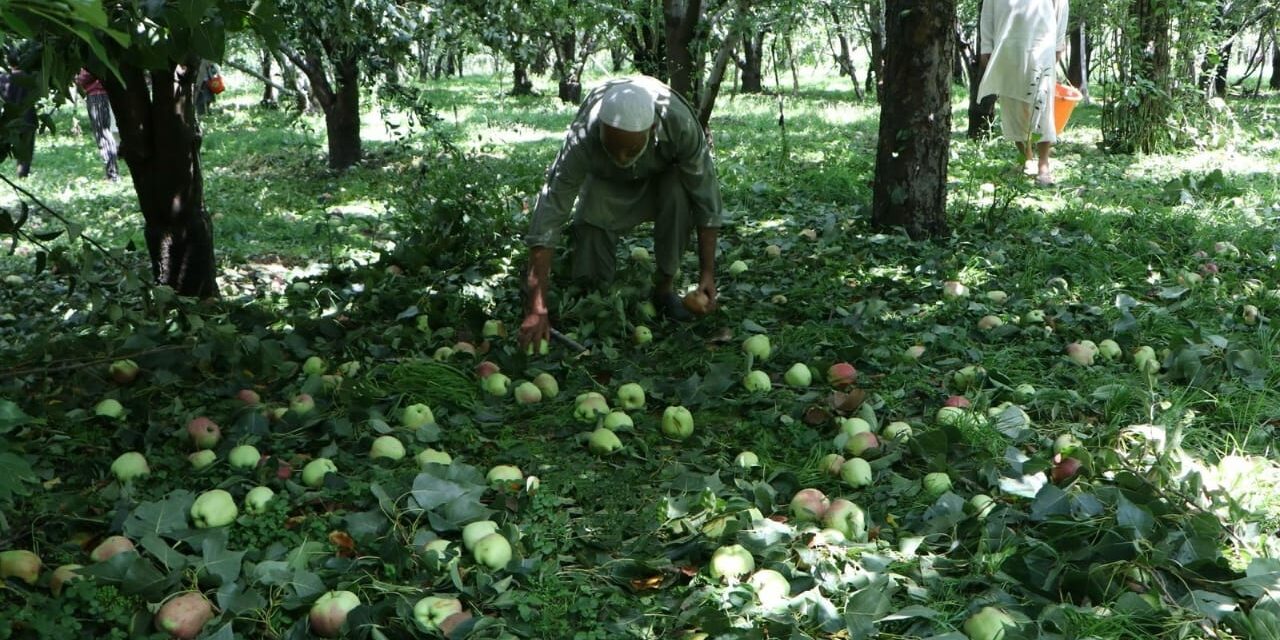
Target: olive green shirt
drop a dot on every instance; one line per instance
(677, 141)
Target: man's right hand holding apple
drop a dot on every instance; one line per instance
(536, 327)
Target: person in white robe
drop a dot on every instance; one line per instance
(1019, 44)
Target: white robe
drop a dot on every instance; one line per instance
(1023, 38)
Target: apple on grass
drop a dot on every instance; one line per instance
(388, 447)
(731, 563)
(831, 464)
(313, 474)
(746, 460)
(496, 384)
(109, 547)
(109, 408)
(631, 396)
(697, 302)
(487, 368)
(504, 475)
(897, 431)
(989, 322)
(862, 445)
(1080, 354)
(202, 458)
(129, 466)
(841, 374)
(473, 532)
(856, 473)
(432, 611)
(546, 383)
(494, 329)
(603, 442)
(935, 484)
(997, 296)
(245, 456)
(589, 406)
(185, 615)
(757, 346)
(913, 352)
(214, 508)
(61, 576)
(618, 421)
(328, 614)
(809, 505)
(302, 404)
(441, 354)
(433, 456)
(989, 623)
(853, 426)
(492, 551)
(798, 375)
(249, 397)
(738, 267)
(677, 423)
(757, 382)
(773, 251)
(771, 587)
(313, 366)
(847, 518)
(123, 371)
(528, 393)
(257, 499)
(954, 289)
(642, 335)
(417, 415)
(21, 564)
(980, 505)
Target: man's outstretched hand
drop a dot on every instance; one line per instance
(535, 332)
(707, 287)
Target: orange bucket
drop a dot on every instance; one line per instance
(1065, 99)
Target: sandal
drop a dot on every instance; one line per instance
(1045, 180)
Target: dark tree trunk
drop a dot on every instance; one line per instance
(915, 118)
(617, 58)
(340, 103)
(1275, 67)
(568, 74)
(1213, 73)
(682, 17)
(647, 42)
(721, 62)
(521, 83)
(962, 62)
(876, 29)
(268, 89)
(751, 64)
(1078, 64)
(844, 59)
(982, 113)
(160, 141)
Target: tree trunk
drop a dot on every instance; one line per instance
(752, 63)
(647, 42)
(682, 17)
(160, 141)
(521, 83)
(844, 60)
(721, 62)
(1078, 64)
(1139, 123)
(915, 118)
(617, 58)
(569, 79)
(876, 29)
(340, 103)
(268, 89)
(1275, 66)
(1213, 73)
(982, 113)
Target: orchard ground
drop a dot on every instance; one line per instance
(1173, 506)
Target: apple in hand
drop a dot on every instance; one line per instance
(417, 415)
(313, 474)
(631, 396)
(184, 616)
(677, 423)
(123, 371)
(387, 447)
(129, 466)
(213, 508)
(329, 613)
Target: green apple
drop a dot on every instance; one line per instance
(642, 335)
(677, 423)
(989, 623)
(631, 396)
(647, 310)
(935, 484)
(109, 547)
(809, 505)
(21, 564)
(123, 371)
(129, 466)
(853, 426)
(504, 474)
(109, 408)
(245, 456)
(302, 404)
(950, 416)
(61, 576)
(546, 383)
(913, 352)
(204, 432)
(1024, 392)
(757, 382)
(980, 505)
(618, 421)
(202, 458)
(603, 442)
(747, 460)
(773, 251)
(757, 346)
(256, 500)
(831, 464)
(417, 415)
(433, 456)
(969, 376)
(1080, 354)
(856, 473)
(590, 406)
(997, 296)
(847, 518)
(798, 375)
(493, 329)
(441, 354)
(496, 384)
(1109, 349)
(387, 447)
(184, 616)
(528, 393)
(439, 545)
(432, 611)
(897, 431)
(328, 614)
(1249, 314)
(738, 267)
(214, 508)
(732, 563)
(954, 289)
(989, 322)
(313, 474)
(493, 551)
(473, 532)
(863, 445)
(639, 254)
(422, 323)
(314, 366)
(1034, 316)
(772, 589)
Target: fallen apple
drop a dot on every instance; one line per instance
(497, 384)
(388, 447)
(989, 623)
(249, 397)
(1024, 392)
(546, 383)
(215, 508)
(493, 329)
(956, 401)
(422, 323)
(1034, 316)
(639, 254)
(642, 335)
(202, 458)
(697, 302)
(757, 382)
(328, 614)
(302, 404)
(590, 406)
(109, 547)
(862, 445)
(773, 251)
(631, 396)
(1249, 314)
(831, 464)
(313, 366)
(980, 505)
(504, 475)
(245, 456)
(184, 616)
(61, 576)
(21, 564)
(204, 432)
(527, 393)
(109, 408)
(463, 346)
(1080, 354)
(677, 423)
(130, 466)
(954, 289)
(417, 415)
(856, 473)
(989, 322)
(847, 518)
(256, 500)
(997, 296)
(950, 416)
(798, 375)
(441, 354)
(746, 460)
(758, 346)
(123, 371)
(841, 374)
(433, 456)
(731, 563)
(969, 376)
(853, 426)
(935, 484)
(809, 505)
(473, 532)
(897, 431)
(432, 611)
(618, 421)
(492, 551)
(313, 474)
(486, 368)
(603, 442)
(772, 589)
(738, 267)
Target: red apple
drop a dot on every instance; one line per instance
(204, 432)
(957, 401)
(841, 374)
(1064, 469)
(249, 397)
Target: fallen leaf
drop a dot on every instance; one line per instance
(345, 544)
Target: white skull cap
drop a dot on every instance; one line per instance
(627, 106)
